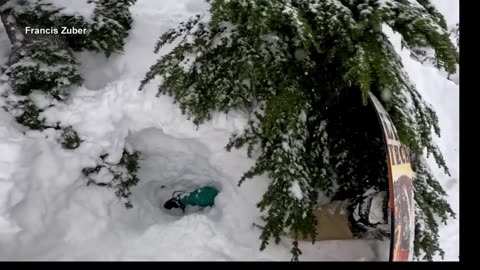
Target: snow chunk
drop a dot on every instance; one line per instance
(19, 36)
(376, 215)
(225, 36)
(286, 147)
(296, 190)
(303, 117)
(10, 19)
(104, 176)
(188, 61)
(386, 95)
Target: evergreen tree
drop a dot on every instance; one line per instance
(45, 62)
(303, 69)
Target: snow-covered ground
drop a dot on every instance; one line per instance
(48, 213)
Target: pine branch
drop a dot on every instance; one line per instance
(122, 175)
(309, 67)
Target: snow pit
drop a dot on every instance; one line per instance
(167, 165)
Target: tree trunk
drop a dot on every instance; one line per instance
(9, 23)
(2, 2)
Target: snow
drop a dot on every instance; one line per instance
(147, 14)
(296, 190)
(225, 36)
(443, 95)
(450, 10)
(376, 214)
(386, 95)
(188, 61)
(47, 212)
(72, 7)
(10, 153)
(10, 19)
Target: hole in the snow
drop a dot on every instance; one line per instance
(169, 165)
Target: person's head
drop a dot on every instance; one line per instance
(172, 203)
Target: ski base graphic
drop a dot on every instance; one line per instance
(400, 176)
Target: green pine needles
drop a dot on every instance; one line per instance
(121, 176)
(46, 68)
(43, 62)
(69, 138)
(303, 70)
(106, 30)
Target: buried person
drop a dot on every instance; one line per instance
(202, 197)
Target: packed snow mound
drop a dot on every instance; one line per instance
(47, 212)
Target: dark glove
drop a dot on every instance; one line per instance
(174, 203)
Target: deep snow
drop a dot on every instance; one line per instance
(48, 213)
